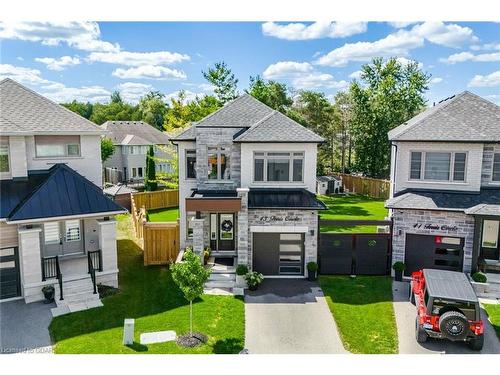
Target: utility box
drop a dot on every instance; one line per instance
(128, 331)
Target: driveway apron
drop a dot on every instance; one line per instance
(24, 327)
(405, 320)
(289, 316)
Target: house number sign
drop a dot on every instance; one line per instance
(431, 226)
(274, 219)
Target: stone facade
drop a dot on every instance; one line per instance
(404, 221)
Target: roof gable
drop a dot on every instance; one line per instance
(465, 117)
(135, 132)
(63, 192)
(25, 111)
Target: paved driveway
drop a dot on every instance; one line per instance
(24, 327)
(287, 316)
(405, 320)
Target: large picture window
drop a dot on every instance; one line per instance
(47, 146)
(496, 167)
(218, 163)
(438, 166)
(278, 166)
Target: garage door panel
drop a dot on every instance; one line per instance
(266, 253)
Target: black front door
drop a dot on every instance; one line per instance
(10, 285)
(222, 232)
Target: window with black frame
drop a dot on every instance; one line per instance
(190, 163)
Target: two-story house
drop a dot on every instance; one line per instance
(132, 140)
(445, 193)
(56, 225)
(247, 177)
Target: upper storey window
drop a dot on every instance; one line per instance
(4, 155)
(218, 163)
(438, 166)
(496, 167)
(190, 163)
(48, 146)
(278, 166)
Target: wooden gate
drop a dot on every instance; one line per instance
(355, 253)
(161, 243)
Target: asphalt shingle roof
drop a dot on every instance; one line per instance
(465, 117)
(446, 201)
(135, 133)
(186, 135)
(23, 111)
(60, 191)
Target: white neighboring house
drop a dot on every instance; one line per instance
(56, 225)
(247, 178)
(445, 187)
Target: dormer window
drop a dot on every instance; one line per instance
(438, 166)
(49, 146)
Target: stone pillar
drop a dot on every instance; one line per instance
(243, 227)
(30, 259)
(198, 236)
(107, 245)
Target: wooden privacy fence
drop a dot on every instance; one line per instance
(159, 240)
(372, 187)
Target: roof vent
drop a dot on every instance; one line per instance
(448, 98)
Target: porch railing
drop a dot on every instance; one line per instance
(94, 259)
(52, 270)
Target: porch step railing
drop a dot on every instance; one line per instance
(52, 270)
(94, 259)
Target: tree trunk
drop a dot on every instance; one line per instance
(191, 318)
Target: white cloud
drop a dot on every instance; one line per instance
(316, 30)
(356, 74)
(149, 72)
(58, 64)
(133, 91)
(400, 25)
(468, 56)
(399, 43)
(189, 95)
(436, 80)
(84, 36)
(486, 47)
(318, 80)
(490, 80)
(286, 69)
(138, 58)
(26, 76)
(404, 61)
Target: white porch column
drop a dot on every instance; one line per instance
(243, 227)
(107, 245)
(198, 236)
(30, 259)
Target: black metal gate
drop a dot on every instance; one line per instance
(355, 253)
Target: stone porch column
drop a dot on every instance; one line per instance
(198, 236)
(242, 248)
(30, 261)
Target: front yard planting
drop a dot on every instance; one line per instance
(493, 311)
(362, 308)
(352, 207)
(149, 295)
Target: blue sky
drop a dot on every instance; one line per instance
(87, 60)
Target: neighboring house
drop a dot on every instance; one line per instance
(54, 219)
(132, 140)
(247, 177)
(121, 194)
(445, 190)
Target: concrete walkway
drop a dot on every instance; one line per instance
(24, 327)
(405, 320)
(289, 316)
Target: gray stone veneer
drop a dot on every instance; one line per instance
(404, 221)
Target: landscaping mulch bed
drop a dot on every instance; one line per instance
(106, 290)
(192, 340)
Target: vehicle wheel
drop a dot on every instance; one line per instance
(476, 343)
(454, 325)
(420, 334)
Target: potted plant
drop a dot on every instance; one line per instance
(312, 271)
(479, 277)
(206, 254)
(398, 268)
(253, 279)
(241, 271)
(48, 292)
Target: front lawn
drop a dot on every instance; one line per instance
(362, 308)
(163, 214)
(352, 207)
(149, 295)
(493, 311)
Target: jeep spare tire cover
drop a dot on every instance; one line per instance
(454, 325)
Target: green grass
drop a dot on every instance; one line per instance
(163, 214)
(352, 207)
(494, 316)
(150, 297)
(362, 308)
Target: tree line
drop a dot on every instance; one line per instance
(354, 123)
